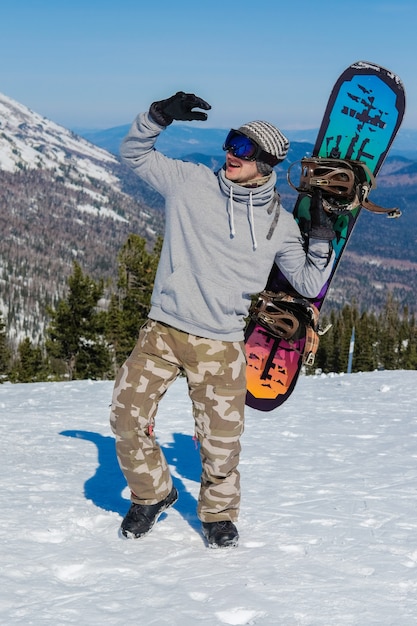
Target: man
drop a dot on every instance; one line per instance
(223, 233)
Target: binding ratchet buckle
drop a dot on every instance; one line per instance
(345, 184)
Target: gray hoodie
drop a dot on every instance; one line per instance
(220, 242)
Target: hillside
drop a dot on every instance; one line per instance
(61, 199)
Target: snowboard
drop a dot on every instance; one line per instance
(362, 117)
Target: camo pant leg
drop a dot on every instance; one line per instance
(140, 384)
(216, 373)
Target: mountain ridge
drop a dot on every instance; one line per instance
(179, 139)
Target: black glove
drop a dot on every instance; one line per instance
(321, 225)
(178, 107)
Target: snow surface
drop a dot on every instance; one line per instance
(328, 525)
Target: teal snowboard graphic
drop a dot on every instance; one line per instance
(362, 118)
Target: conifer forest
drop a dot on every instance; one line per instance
(94, 327)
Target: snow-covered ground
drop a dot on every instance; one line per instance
(328, 523)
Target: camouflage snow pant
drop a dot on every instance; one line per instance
(216, 375)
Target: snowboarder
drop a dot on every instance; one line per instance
(223, 232)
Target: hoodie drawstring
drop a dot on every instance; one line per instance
(231, 214)
(250, 218)
(252, 222)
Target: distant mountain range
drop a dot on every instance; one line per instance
(66, 197)
(181, 139)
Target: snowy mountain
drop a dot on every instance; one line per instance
(327, 526)
(61, 199)
(30, 141)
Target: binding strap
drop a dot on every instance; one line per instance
(284, 316)
(345, 184)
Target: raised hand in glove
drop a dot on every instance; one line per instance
(321, 225)
(178, 107)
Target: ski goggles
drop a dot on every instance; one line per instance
(245, 148)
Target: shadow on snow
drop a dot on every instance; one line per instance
(106, 486)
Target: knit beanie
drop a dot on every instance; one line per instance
(270, 139)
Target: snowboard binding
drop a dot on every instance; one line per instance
(345, 184)
(289, 317)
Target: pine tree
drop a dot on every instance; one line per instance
(116, 332)
(5, 352)
(30, 365)
(410, 351)
(366, 337)
(338, 341)
(128, 309)
(389, 342)
(76, 332)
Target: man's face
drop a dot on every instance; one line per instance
(240, 171)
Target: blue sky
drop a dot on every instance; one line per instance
(88, 64)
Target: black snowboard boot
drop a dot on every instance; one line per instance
(140, 518)
(220, 534)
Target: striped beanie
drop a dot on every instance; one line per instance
(269, 138)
